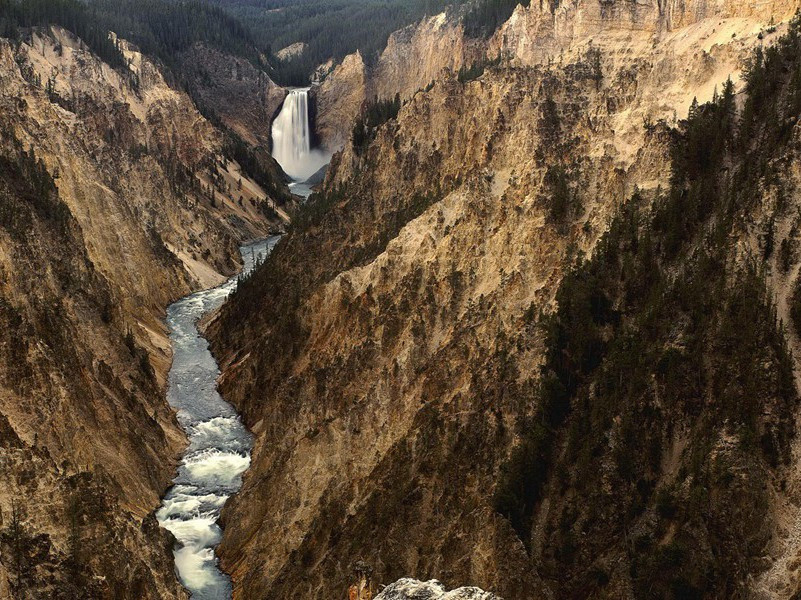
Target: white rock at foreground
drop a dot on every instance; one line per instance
(411, 589)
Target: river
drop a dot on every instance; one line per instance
(219, 444)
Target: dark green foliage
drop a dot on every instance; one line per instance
(311, 213)
(248, 158)
(72, 15)
(331, 28)
(476, 70)
(35, 187)
(550, 123)
(22, 545)
(372, 117)
(162, 28)
(485, 16)
(788, 249)
(658, 312)
(795, 308)
(562, 201)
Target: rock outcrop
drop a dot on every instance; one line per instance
(338, 100)
(414, 58)
(292, 51)
(411, 589)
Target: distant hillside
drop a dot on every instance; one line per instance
(331, 28)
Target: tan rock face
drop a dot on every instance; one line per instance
(338, 101)
(86, 270)
(414, 57)
(292, 51)
(381, 421)
(545, 29)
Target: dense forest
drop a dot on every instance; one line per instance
(331, 28)
(160, 28)
(73, 15)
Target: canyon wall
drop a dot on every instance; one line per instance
(414, 57)
(543, 30)
(116, 200)
(388, 355)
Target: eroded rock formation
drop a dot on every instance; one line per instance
(396, 362)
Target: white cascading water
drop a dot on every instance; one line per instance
(219, 444)
(292, 138)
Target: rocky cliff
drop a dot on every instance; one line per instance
(394, 379)
(414, 57)
(244, 98)
(116, 199)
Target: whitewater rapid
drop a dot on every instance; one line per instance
(219, 444)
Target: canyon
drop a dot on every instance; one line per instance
(400, 372)
(117, 200)
(535, 335)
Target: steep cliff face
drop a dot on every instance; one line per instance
(139, 167)
(414, 57)
(116, 200)
(338, 100)
(243, 97)
(544, 29)
(87, 440)
(396, 365)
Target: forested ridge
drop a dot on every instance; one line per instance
(254, 29)
(330, 28)
(159, 28)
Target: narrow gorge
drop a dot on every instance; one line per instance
(404, 299)
(219, 445)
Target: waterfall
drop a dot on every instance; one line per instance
(292, 138)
